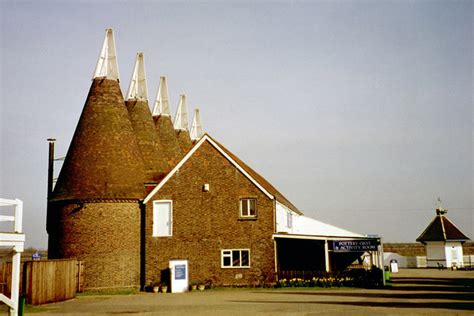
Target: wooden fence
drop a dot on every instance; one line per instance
(46, 281)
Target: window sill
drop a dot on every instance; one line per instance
(235, 267)
(250, 218)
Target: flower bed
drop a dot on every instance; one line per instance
(350, 278)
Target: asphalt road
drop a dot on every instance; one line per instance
(413, 292)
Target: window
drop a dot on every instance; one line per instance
(248, 208)
(235, 258)
(162, 218)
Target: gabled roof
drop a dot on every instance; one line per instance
(441, 229)
(261, 180)
(252, 175)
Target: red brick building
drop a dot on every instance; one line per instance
(135, 192)
(221, 220)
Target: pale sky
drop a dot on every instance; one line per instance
(359, 112)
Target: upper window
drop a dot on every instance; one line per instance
(248, 208)
(162, 218)
(235, 258)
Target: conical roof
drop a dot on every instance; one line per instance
(196, 128)
(142, 123)
(168, 140)
(181, 117)
(441, 229)
(103, 160)
(138, 88)
(181, 125)
(164, 126)
(184, 140)
(162, 100)
(107, 65)
(150, 147)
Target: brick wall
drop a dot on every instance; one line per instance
(204, 223)
(418, 249)
(105, 236)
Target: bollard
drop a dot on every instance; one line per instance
(21, 305)
(386, 273)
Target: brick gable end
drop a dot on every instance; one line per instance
(204, 223)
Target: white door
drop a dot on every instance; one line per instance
(454, 256)
(179, 276)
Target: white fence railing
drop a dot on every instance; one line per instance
(16, 240)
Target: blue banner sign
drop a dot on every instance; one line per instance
(355, 245)
(180, 272)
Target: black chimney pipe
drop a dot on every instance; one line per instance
(50, 166)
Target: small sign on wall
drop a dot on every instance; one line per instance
(180, 272)
(360, 245)
(36, 256)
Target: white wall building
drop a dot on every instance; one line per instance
(443, 242)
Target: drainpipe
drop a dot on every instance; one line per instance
(49, 226)
(277, 269)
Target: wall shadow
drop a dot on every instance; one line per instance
(445, 293)
(412, 305)
(428, 296)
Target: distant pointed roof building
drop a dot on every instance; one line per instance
(443, 242)
(143, 124)
(441, 229)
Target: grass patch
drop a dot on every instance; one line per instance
(108, 292)
(31, 309)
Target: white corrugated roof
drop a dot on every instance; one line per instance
(304, 225)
